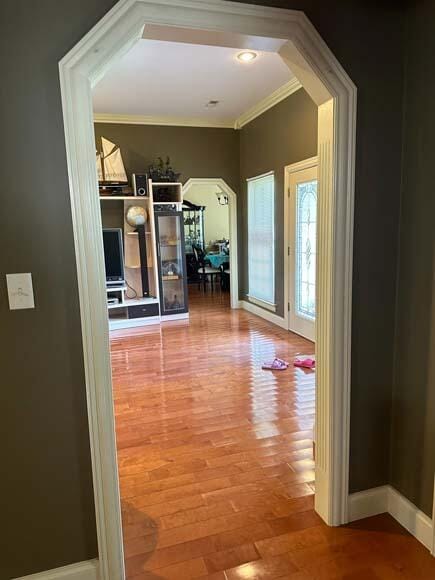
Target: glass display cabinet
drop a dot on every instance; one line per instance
(193, 225)
(171, 262)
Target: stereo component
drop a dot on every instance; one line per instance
(140, 184)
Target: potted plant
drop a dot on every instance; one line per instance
(163, 172)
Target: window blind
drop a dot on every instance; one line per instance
(261, 238)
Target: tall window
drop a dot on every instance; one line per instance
(261, 238)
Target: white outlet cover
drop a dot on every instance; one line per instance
(20, 291)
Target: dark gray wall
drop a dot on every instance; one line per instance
(413, 433)
(284, 134)
(368, 40)
(48, 512)
(194, 151)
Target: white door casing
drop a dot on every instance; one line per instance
(332, 90)
(297, 175)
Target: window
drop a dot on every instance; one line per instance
(261, 239)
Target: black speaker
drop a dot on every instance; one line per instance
(140, 184)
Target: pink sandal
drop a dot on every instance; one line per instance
(306, 363)
(276, 365)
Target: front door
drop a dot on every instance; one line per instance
(302, 250)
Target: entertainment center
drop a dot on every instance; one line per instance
(145, 259)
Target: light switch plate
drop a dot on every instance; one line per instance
(20, 291)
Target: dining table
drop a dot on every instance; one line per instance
(217, 259)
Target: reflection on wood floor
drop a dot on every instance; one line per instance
(215, 459)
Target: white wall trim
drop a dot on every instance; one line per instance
(378, 500)
(263, 313)
(410, 517)
(80, 571)
(309, 58)
(301, 165)
(368, 503)
(234, 241)
(262, 303)
(166, 121)
(267, 103)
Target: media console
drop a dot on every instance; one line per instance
(165, 259)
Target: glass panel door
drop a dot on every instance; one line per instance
(302, 236)
(170, 243)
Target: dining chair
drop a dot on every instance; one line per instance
(204, 271)
(225, 275)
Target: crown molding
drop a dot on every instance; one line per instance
(167, 121)
(267, 103)
(245, 118)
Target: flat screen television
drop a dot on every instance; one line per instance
(113, 256)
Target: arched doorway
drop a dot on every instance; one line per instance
(335, 95)
(232, 206)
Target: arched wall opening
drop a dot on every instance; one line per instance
(232, 206)
(321, 75)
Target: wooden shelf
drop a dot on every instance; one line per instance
(167, 278)
(167, 183)
(123, 197)
(134, 302)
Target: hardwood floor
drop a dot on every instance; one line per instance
(215, 460)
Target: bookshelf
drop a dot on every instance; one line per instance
(127, 306)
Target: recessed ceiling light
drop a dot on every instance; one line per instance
(247, 56)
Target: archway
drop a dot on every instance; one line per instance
(328, 85)
(232, 205)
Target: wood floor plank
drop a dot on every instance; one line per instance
(216, 465)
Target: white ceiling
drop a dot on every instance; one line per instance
(161, 78)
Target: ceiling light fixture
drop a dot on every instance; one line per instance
(212, 104)
(222, 198)
(247, 56)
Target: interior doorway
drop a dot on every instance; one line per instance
(335, 94)
(301, 187)
(227, 198)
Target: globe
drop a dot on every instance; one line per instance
(136, 216)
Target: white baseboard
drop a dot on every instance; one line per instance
(368, 503)
(372, 502)
(262, 313)
(410, 517)
(80, 571)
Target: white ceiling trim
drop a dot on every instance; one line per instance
(267, 103)
(171, 121)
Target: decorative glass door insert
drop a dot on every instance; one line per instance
(305, 250)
